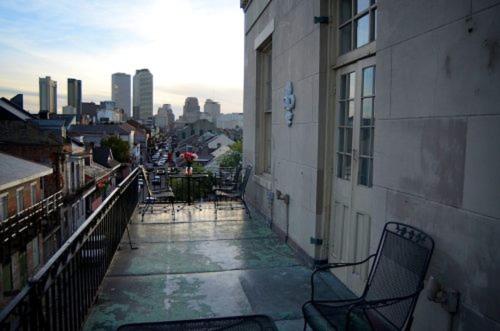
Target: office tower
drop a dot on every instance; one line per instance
(120, 92)
(75, 94)
(191, 110)
(212, 109)
(48, 95)
(143, 95)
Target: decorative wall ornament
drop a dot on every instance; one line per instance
(289, 103)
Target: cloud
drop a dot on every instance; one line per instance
(192, 47)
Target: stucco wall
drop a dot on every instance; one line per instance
(295, 58)
(436, 145)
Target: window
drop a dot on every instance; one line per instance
(33, 193)
(7, 276)
(264, 104)
(357, 24)
(367, 127)
(4, 207)
(345, 120)
(20, 199)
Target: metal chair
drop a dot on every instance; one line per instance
(164, 195)
(391, 292)
(235, 193)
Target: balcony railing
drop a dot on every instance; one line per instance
(60, 294)
(17, 230)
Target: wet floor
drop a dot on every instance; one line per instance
(201, 265)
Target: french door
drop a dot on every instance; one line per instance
(352, 197)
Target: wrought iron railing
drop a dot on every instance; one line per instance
(17, 230)
(59, 295)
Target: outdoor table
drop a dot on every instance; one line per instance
(237, 323)
(189, 179)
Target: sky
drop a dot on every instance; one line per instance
(192, 48)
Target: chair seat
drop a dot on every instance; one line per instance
(231, 195)
(328, 317)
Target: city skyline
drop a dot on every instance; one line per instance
(71, 45)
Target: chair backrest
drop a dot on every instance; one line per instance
(399, 270)
(236, 177)
(146, 181)
(246, 176)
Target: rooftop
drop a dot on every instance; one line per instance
(197, 266)
(15, 171)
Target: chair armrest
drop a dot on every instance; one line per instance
(333, 266)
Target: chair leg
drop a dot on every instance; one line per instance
(246, 208)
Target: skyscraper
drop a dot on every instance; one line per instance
(48, 95)
(143, 95)
(120, 92)
(212, 109)
(75, 94)
(191, 110)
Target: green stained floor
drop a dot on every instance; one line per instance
(200, 266)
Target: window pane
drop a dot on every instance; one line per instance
(343, 87)
(345, 39)
(362, 30)
(368, 81)
(348, 139)
(345, 10)
(342, 113)
(367, 113)
(341, 140)
(347, 167)
(362, 5)
(374, 25)
(363, 171)
(339, 165)
(267, 142)
(350, 117)
(364, 142)
(352, 85)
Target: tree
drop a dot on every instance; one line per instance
(232, 158)
(120, 148)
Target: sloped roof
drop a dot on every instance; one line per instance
(108, 129)
(103, 156)
(15, 171)
(14, 111)
(22, 133)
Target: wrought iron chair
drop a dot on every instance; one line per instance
(228, 180)
(158, 196)
(235, 193)
(391, 292)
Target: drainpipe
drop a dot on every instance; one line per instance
(286, 200)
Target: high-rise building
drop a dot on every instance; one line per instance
(120, 92)
(165, 117)
(191, 111)
(48, 95)
(212, 109)
(143, 95)
(75, 94)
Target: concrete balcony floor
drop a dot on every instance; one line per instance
(198, 267)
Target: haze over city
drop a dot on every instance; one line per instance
(192, 48)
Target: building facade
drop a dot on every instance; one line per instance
(47, 95)
(191, 110)
(143, 95)
(75, 94)
(120, 92)
(165, 118)
(212, 108)
(230, 121)
(387, 118)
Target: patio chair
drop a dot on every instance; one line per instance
(391, 292)
(228, 181)
(164, 195)
(235, 193)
